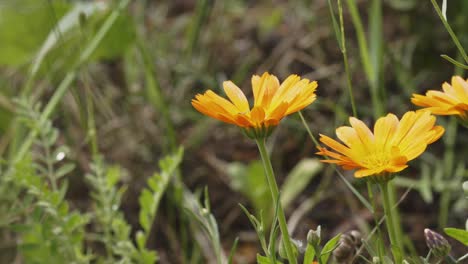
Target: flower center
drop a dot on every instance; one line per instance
(376, 159)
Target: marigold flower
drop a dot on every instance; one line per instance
(272, 102)
(453, 100)
(386, 150)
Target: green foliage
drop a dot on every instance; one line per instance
(458, 234)
(50, 33)
(309, 254)
(203, 216)
(298, 179)
(328, 248)
(150, 197)
(251, 181)
(51, 232)
(24, 25)
(113, 230)
(264, 260)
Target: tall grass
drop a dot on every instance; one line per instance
(146, 179)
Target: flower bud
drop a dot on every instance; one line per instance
(437, 243)
(313, 237)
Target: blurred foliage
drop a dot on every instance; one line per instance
(138, 83)
(49, 34)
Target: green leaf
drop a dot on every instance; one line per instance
(146, 201)
(24, 25)
(458, 234)
(309, 254)
(298, 179)
(328, 248)
(233, 250)
(64, 170)
(454, 62)
(251, 182)
(140, 239)
(113, 176)
(264, 260)
(150, 197)
(70, 21)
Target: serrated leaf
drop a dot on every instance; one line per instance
(140, 239)
(64, 170)
(113, 175)
(458, 234)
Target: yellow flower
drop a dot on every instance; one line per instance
(452, 101)
(272, 102)
(386, 150)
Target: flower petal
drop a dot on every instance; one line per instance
(236, 96)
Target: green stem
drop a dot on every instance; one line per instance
(449, 157)
(66, 82)
(345, 60)
(304, 122)
(376, 220)
(389, 221)
(450, 31)
(450, 260)
(274, 194)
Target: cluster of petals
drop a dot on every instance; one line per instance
(272, 101)
(387, 149)
(453, 100)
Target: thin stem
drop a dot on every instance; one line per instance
(345, 59)
(361, 37)
(376, 221)
(50, 167)
(462, 258)
(66, 82)
(389, 221)
(274, 194)
(450, 260)
(450, 31)
(449, 157)
(304, 122)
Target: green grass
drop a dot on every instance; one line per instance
(95, 109)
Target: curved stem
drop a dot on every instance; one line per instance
(274, 194)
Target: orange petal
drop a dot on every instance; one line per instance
(236, 96)
(257, 115)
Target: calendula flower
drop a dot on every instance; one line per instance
(453, 100)
(386, 150)
(272, 102)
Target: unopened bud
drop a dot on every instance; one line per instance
(313, 237)
(437, 243)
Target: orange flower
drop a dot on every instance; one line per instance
(272, 102)
(386, 150)
(452, 101)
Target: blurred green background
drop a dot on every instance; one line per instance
(125, 86)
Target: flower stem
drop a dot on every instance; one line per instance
(389, 221)
(274, 194)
